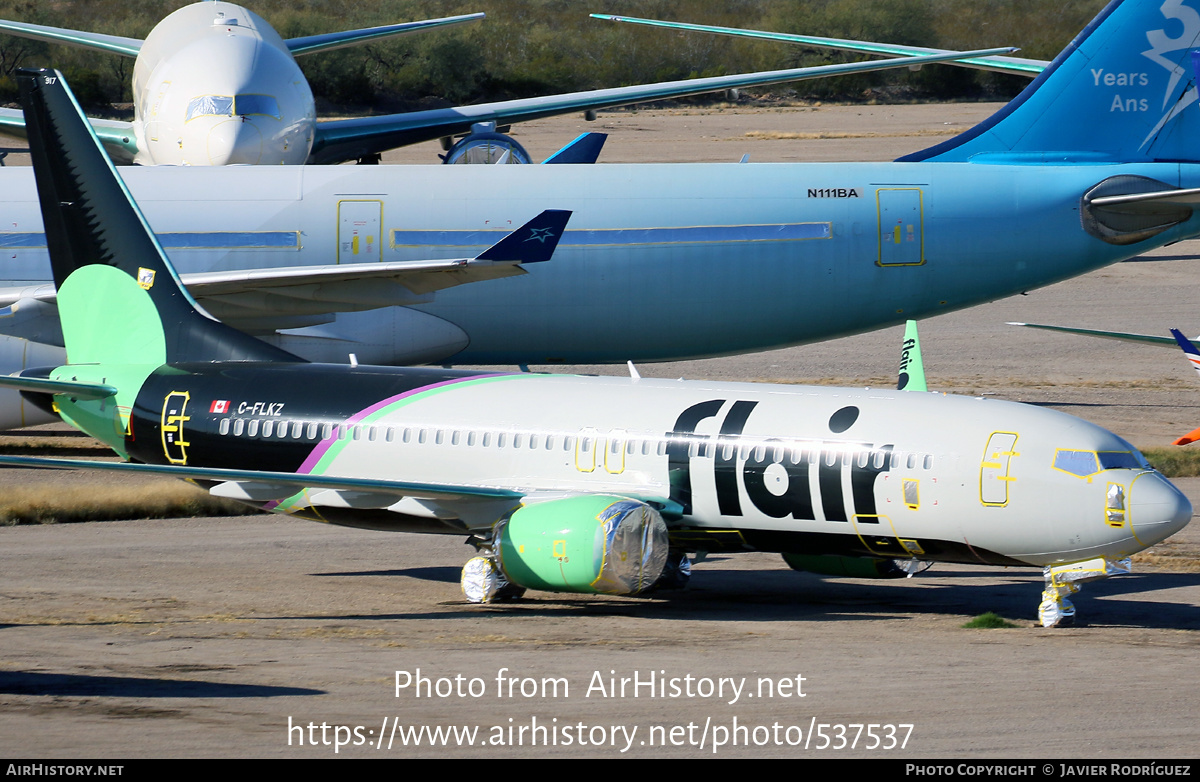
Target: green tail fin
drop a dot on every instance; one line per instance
(912, 368)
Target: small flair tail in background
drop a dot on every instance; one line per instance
(912, 368)
(1189, 349)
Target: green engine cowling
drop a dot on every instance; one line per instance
(598, 544)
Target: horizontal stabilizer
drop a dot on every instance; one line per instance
(114, 44)
(531, 243)
(310, 44)
(74, 388)
(584, 149)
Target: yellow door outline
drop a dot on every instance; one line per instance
(901, 215)
(994, 469)
(359, 230)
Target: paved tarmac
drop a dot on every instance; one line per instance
(210, 637)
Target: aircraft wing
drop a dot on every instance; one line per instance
(256, 484)
(326, 41)
(1117, 335)
(254, 299)
(115, 44)
(116, 135)
(349, 139)
(1014, 65)
(257, 299)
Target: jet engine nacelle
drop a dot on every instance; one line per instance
(17, 355)
(484, 145)
(593, 544)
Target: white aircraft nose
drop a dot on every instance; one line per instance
(234, 141)
(1157, 509)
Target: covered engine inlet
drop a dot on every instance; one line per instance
(591, 544)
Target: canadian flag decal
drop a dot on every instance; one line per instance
(219, 406)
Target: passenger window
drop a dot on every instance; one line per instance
(223, 428)
(239, 426)
(267, 428)
(312, 431)
(252, 430)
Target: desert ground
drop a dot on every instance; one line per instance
(229, 637)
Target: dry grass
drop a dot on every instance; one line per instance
(56, 505)
(1174, 462)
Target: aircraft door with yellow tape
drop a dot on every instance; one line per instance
(901, 227)
(993, 472)
(360, 225)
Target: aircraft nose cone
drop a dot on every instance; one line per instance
(234, 141)
(1157, 509)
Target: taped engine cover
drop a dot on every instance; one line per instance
(593, 544)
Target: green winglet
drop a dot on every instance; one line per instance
(912, 369)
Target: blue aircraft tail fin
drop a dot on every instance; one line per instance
(584, 149)
(1123, 91)
(119, 299)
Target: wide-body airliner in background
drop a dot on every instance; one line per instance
(563, 483)
(214, 84)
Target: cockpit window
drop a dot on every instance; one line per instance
(1085, 463)
(1081, 463)
(263, 105)
(210, 106)
(227, 106)
(1122, 460)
